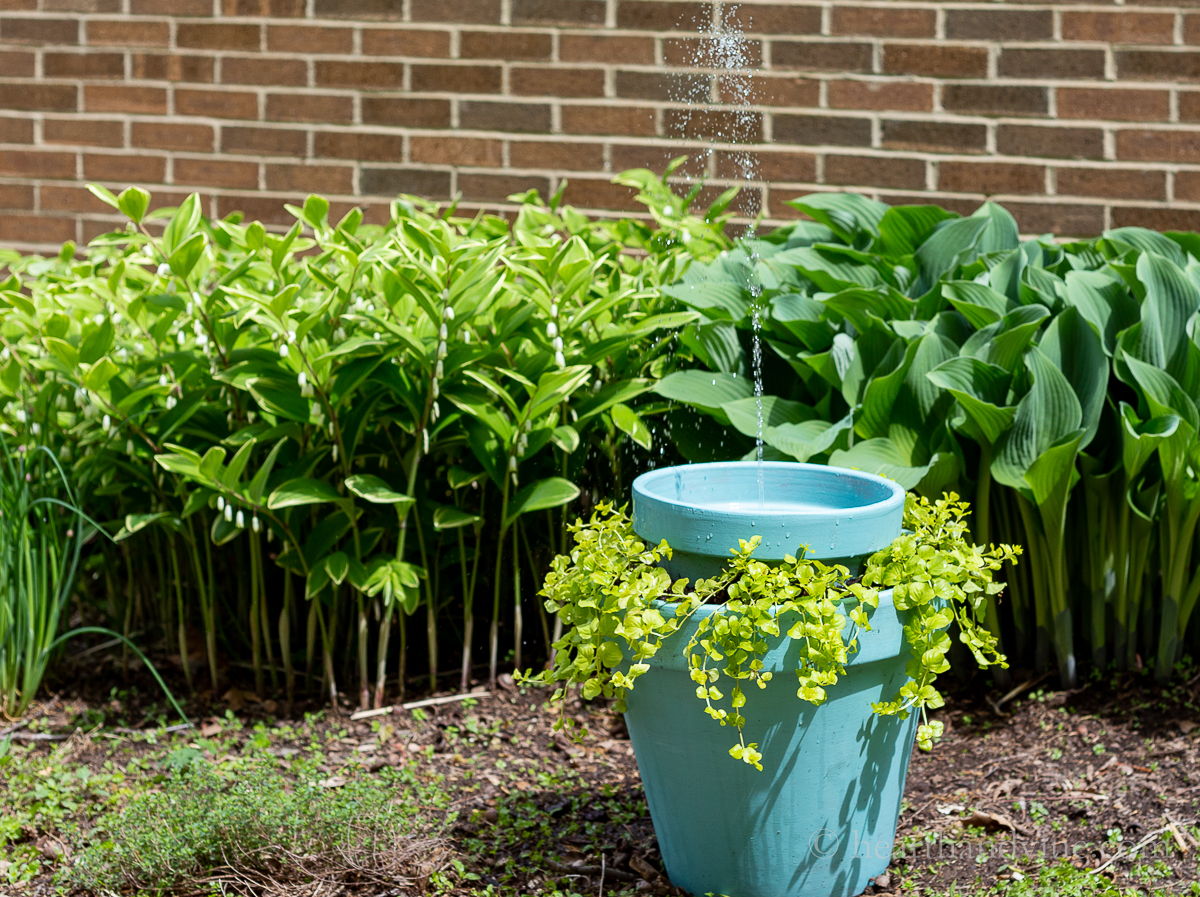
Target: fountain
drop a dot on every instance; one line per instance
(821, 818)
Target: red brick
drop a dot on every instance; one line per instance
(278, 9)
(1158, 65)
(1191, 29)
(999, 24)
(934, 136)
(558, 12)
(1113, 183)
(195, 8)
(43, 98)
(704, 52)
(16, 196)
(471, 12)
(266, 209)
(19, 5)
(536, 81)
(470, 151)
(64, 32)
(900, 96)
(309, 39)
(484, 116)
(1156, 218)
(83, 65)
(996, 99)
(333, 108)
(16, 130)
(554, 154)
(723, 125)
(405, 42)
(124, 33)
(456, 78)
(606, 48)
(669, 87)
(1145, 145)
(498, 187)
(217, 36)
(1058, 218)
(263, 141)
(16, 65)
(764, 18)
(1109, 104)
(594, 193)
(124, 98)
(875, 171)
(1119, 27)
(662, 15)
(824, 56)
(657, 156)
(311, 178)
(210, 172)
(624, 121)
(884, 22)
(358, 146)
(505, 45)
(393, 181)
(171, 136)
(768, 91)
(1052, 142)
(1189, 106)
(32, 229)
(775, 166)
(216, 103)
(125, 168)
(1187, 186)
(406, 112)
(1051, 63)
(991, 177)
(282, 72)
(167, 67)
(935, 61)
(369, 75)
(83, 132)
(818, 130)
(35, 164)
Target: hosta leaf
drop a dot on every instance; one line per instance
(846, 214)
(882, 456)
(1049, 413)
(903, 228)
(705, 391)
(978, 303)
(752, 415)
(628, 422)
(718, 300)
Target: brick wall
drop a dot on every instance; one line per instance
(1078, 116)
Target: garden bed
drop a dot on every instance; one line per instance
(1022, 801)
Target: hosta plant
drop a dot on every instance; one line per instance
(619, 608)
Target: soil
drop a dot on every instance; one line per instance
(1015, 785)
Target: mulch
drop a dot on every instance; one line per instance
(1047, 776)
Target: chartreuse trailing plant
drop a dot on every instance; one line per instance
(619, 608)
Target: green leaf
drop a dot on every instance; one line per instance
(97, 343)
(718, 300)
(903, 228)
(104, 195)
(99, 374)
(552, 492)
(375, 490)
(978, 303)
(752, 415)
(980, 389)
(302, 491)
(337, 565)
(565, 437)
(1049, 413)
(449, 517)
(628, 422)
(846, 214)
(279, 396)
(184, 258)
(182, 225)
(133, 202)
(705, 391)
(883, 457)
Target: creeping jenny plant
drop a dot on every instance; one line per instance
(618, 607)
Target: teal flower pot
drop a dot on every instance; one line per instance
(820, 819)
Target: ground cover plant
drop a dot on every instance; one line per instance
(1054, 384)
